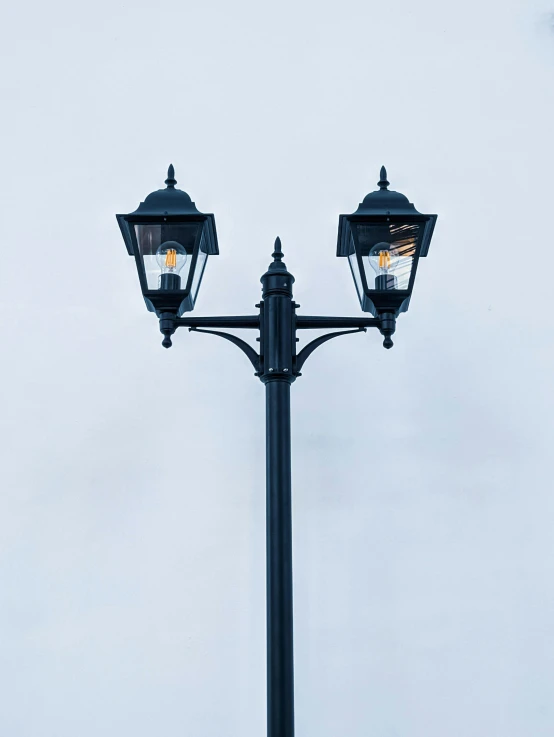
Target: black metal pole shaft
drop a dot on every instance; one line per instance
(277, 349)
(280, 667)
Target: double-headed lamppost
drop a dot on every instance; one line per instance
(383, 241)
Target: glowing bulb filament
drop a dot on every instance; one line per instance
(384, 260)
(171, 258)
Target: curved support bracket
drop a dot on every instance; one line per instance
(242, 344)
(310, 348)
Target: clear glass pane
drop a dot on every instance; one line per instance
(354, 266)
(200, 265)
(166, 248)
(388, 251)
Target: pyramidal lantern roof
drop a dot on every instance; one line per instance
(385, 201)
(382, 205)
(168, 201)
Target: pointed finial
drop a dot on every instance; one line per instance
(171, 181)
(278, 252)
(383, 183)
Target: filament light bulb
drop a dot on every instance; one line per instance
(384, 259)
(171, 257)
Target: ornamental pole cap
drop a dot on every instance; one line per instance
(384, 201)
(277, 277)
(278, 264)
(168, 201)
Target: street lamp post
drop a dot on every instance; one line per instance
(171, 241)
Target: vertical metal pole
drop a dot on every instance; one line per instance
(280, 669)
(278, 348)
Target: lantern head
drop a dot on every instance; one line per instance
(383, 241)
(171, 241)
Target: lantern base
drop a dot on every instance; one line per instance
(386, 281)
(170, 282)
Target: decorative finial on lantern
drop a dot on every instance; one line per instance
(171, 181)
(278, 252)
(383, 183)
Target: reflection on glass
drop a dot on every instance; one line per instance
(390, 251)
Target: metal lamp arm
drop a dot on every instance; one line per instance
(247, 349)
(310, 348)
(169, 324)
(385, 323)
(308, 322)
(226, 321)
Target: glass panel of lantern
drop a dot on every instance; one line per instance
(166, 251)
(355, 267)
(201, 259)
(388, 254)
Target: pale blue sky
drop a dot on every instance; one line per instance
(131, 559)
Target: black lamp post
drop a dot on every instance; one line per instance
(171, 241)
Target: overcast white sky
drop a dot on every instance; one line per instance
(132, 596)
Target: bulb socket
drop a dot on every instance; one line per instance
(386, 281)
(170, 282)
